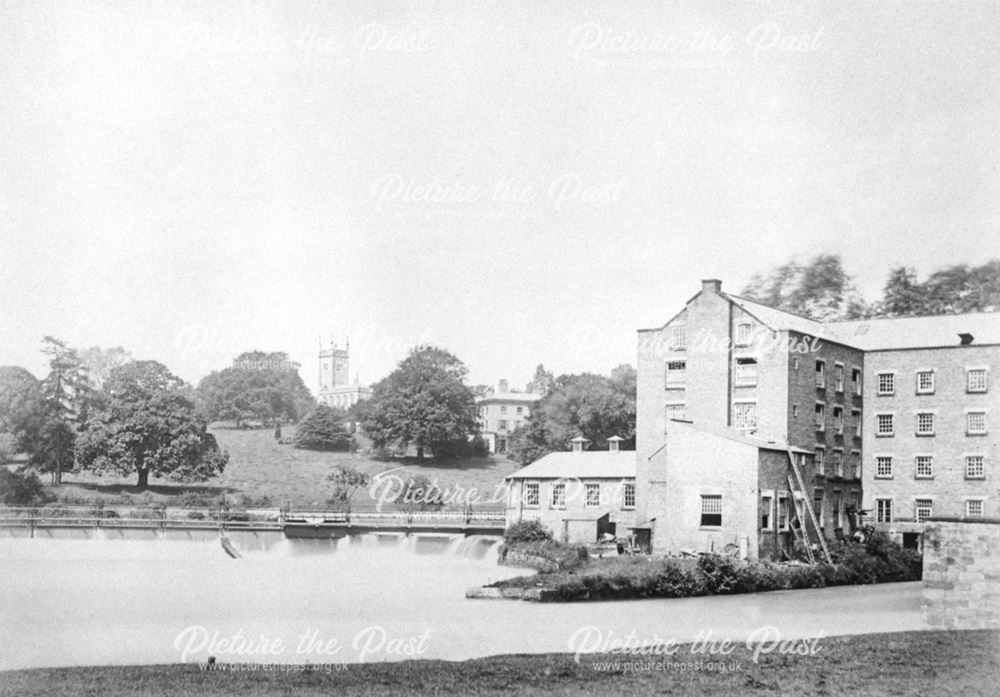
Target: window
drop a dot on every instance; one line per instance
(593, 496)
(883, 510)
(795, 411)
(925, 467)
(678, 338)
(925, 382)
(676, 373)
(885, 425)
(820, 412)
(743, 332)
(675, 410)
(818, 507)
(837, 464)
(922, 510)
(745, 415)
(976, 380)
(559, 495)
(855, 464)
(628, 495)
(886, 383)
(766, 502)
(503, 410)
(838, 419)
(883, 467)
(520, 410)
(502, 425)
(975, 423)
(820, 374)
(838, 377)
(856, 415)
(795, 364)
(820, 460)
(531, 497)
(746, 372)
(973, 508)
(711, 511)
(974, 467)
(782, 512)
(838, 510)
(925, 424)
(856, 380)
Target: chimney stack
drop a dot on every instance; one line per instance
(711, 284)
(502, 386)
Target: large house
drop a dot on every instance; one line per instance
(501, 412)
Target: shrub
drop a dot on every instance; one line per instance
(323, 429)
(17, 488)
(720, 573)
(675, 581)
(527, 531)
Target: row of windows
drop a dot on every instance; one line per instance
(503, 423)
(924, 509)
(838, 377)
(885, 424)
(678, 336)
(975, 381)
(819, 412)
(837, 463)
(592, 495)
(923, 466)
(503, 410)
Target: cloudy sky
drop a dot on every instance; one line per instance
(520, 183)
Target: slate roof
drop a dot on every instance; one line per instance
(591, 464)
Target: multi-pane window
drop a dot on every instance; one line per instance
(820, 374)
(973, 508)
(975, 423)
(820, 460)
(745, 415)
(976, 380)
(855, 464)
(743, 333)
(974, 467)
(820, 416)
(925, 466)
(925, 424)
(923, 510)
(766, 502)
(883, 510)
(837, 463)
(885, 425)
(886, 383)
(628, 495)
(925, 382)
(838, 419)
(502, 425)
(593, 495)
(678, 338)
(675, 411)
(856, 380)
(838, 378)
(746, 372)
(676, 372)
(883, 467)
(711, 510)
(559, 495)
(782, 513)
(531, 497)
(856, 415)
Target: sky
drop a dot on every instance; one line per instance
(519, 183)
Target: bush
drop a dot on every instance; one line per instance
(22, 488)
(720, 573)
(323, 429)
(527, 531)
(675, 581)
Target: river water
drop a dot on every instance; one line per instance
(129, 597)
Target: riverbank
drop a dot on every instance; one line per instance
(909, 663)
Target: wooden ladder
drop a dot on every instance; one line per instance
(809, 509)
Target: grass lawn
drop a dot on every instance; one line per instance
(911, 663)
(259, 466)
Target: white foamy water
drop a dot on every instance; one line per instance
(124, 597)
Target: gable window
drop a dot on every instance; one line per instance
(883, 467)
(975, 423)
(925, 424)
(974, 508)
(820, 416)
(976, 380)
(711, 511)
(593, 496)
(820, 460)
(885, 425)
(559, 495)
(975, 467)
(743, 333)
(766, 519)
(856, 380)
(838, 419)
(886, 383)
(856, 415)
(923, 510)
(883, 510)
(745, 415)
(925, 466)
(925, 382)
(838, 377)
(678, 338)
(676, 373)
(531, 497)
(820, 374)
(746, 372)
(628, 495)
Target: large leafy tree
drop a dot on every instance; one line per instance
(594, 406)
(20, 399)
(99, 363)
(145, 423)
(543, 381)
(819, 289)
(324, 429)
(424, 403)
(950, 290)
(259, 386)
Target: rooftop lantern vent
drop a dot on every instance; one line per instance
(613, 442)
(966, 339)
(578, 444)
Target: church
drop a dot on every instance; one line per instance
(335, 387)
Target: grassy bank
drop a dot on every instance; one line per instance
(912, 663)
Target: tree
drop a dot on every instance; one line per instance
(543, 381)
(259, 386)
(22, 488)
(819, 289)
(903, 295)
(20, 400)
(424, 402)
(949, 290)
(324, 429)
(100, 362)
(346, 480)
(146, 423)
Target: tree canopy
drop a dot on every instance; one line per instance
(259, 386)
(424, 403)
(950, 290)
(324, 429)
(819, 289)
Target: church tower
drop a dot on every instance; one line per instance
(335, 388)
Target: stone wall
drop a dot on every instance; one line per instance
(962, 574)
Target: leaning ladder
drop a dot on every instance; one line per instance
(809, 510)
